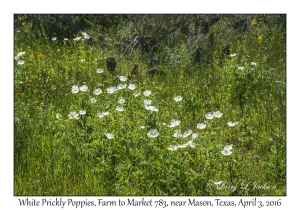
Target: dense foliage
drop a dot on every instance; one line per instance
(150, 105)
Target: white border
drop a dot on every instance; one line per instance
(7, 201)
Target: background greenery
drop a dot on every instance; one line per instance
(74, 157)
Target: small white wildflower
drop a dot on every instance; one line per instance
(147, 102)
(98, 91)
(75, 89)
(136, 94)
(58, 116)
(226, 152)
(17, 57)
(142, 127)
(93, 100)
(123, 78)
(177, 134)
(174, 123)
(99, 70)
(191, 143)
(182, 146)
(241, 68)
(121, 86)
(151, 108)
(187, 133)
(194, 136)
(85, 35)
(20, 62)
(231, 124)
(20, 54)
(109, 135)
(173, 148)
(73, 115)
(209, 116)
(201, 126)
(111, 90)
(82, 112)
(102, 114)
(178, 98)
(147, 92)
(84, 88)
(131, 86)
(228, 147)
(119, 108)
(121, 100)
(152, 133)
(218, 114)
(77, 38)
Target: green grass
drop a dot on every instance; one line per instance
(74, 157)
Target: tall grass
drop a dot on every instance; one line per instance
(74, 157)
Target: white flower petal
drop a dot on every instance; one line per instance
(178, 98)
(226, 152)
(75, 89)
(209, 116)
(119, 108)
(173, 148)
(82, 112)
(84, 88)
(123, 78)
(152, 133)
(111, 90)
(99, 70)
(131, 86)
(109, 135)
(228, 147)
(201, 126)
(98, 91)
(147, 92)
(218, 114)
(121, 86)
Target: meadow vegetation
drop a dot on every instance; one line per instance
(199, 125)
